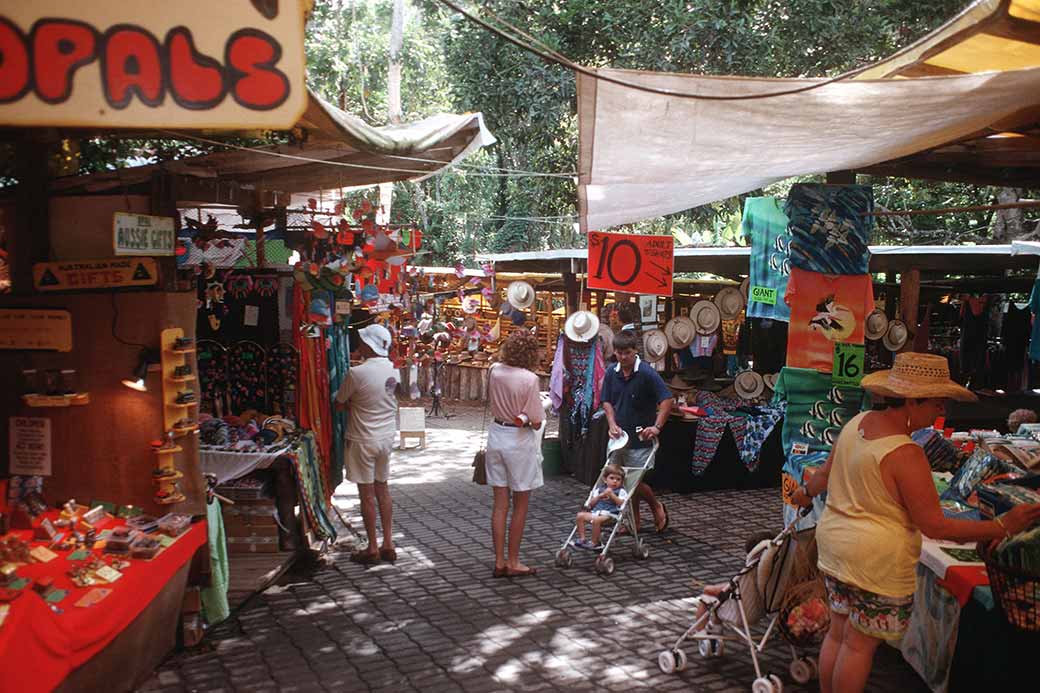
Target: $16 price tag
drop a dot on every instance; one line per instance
(848, 364)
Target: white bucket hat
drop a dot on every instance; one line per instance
(680, 332)
(896, 336)
(730, 302)
(581, 326)
(706, 317)
(748, 384)
(377, 338)
(520, 294)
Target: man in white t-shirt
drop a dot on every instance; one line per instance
(368, 392)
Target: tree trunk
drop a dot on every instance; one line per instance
(1007, 225)
(393, 98)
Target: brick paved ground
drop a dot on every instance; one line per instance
(438, 621)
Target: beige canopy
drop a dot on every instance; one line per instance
(643, 155)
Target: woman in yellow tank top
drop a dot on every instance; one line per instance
(880, 498)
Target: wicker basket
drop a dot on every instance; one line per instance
(810, 594)
(1016, 591)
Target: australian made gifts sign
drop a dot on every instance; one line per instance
(152, 63)
(95, 274)
(141, 234)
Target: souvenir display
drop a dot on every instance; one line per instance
(247, 375)
(706, 317)
(213, 363)
(825, 309)
(730, 302)
(830, 227)
(282, 373)
(680, 332)
(764, 223)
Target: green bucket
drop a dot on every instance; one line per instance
(552, 457)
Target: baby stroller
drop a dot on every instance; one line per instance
(625, 516)
(780, 580)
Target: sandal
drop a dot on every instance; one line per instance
(500, 573)
(664, 527)
(364, 558)
(521, 573)
(388, 555)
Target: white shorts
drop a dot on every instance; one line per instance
(368, 461)
(514, 457)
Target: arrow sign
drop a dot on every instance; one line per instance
(630, 263)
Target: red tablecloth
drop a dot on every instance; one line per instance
(961, 581)
(38, 648)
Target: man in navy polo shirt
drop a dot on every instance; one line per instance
(634, 396)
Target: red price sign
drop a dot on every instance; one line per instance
(630, 263)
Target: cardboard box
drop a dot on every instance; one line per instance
(236, 528)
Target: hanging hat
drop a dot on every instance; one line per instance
(770, 380)
(744, 286)
(680, 332)
(655, 345)
(677, 383)
(470, 304)
(896, 335)
(730, 302)
(917, 375)
(606, 336)
(706, 317)
(581, 326)
(748, 385)
(520, 294)
(876, 324)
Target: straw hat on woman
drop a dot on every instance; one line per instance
(880, 499)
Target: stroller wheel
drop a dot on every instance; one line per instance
(718, 648)
(640, 550)
(778, 685)
(680, 660)
(801, 671)
(815, 666)
(666, 662)
(605, 565)
(564, 558)
(767, 685)
(704, 648)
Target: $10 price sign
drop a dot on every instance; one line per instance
(630, 263)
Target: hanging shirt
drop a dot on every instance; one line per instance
(765, 224)
(829, 232)
(825, 309)
(731, 334)
(704, 345)
(816, 410)
(1034, 305)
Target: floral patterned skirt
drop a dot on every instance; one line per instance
(876, 615)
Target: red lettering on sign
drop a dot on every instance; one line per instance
(255, 83)
(131, 65)
(196, 80)
(630, 263)
(14, 63)
(60, 47)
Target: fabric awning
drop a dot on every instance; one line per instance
(643, 155)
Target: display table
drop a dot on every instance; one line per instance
(673, 469)
(39, 648)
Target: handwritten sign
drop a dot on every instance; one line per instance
(152, 64)
(95, 274)
(763, 294)
(29, 446)
(141, 234)
(630, 263)
(848, 364)
(35, 329)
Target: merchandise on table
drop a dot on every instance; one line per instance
(830, 227)
(943, 456)
(825, 309)
(979, 467)
(765, 224)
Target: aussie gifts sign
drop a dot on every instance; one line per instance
(236, 64)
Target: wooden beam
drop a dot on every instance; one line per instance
(1021, 204)
(927, 70)
(1009, 177)
(30, 241)
(909, 297)
(841, 177)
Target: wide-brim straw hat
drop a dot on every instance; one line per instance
(706, 317)
(680, 332)
(748, 385)
(581, 326)
(655, 345)
(677, 383)
(875, 326)
(520, 294)
(770, 380)
(918, 376)
(730, 302)
(896, 335)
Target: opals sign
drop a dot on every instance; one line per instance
(152, 63)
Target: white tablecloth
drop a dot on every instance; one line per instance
(232, 465)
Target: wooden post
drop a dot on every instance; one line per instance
(841, 177)
(909, 296)
(163, 202)
(570, 288)
(261, 254)
(30, 240)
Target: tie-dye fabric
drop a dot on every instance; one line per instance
(765, 224)
(825, 309)
(829, 233)
(816, 410)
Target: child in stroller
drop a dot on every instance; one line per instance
(604, 503)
